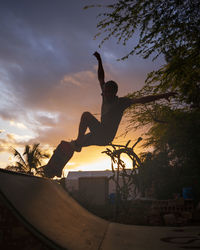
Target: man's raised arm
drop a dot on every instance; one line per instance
(101, 75)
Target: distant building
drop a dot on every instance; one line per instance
(72, 180)
(77, 179)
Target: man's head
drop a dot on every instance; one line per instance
(110, 89)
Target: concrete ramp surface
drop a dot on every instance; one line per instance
(60, 222)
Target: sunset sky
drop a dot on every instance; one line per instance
(48, 76)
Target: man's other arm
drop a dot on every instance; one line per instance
(151, 98)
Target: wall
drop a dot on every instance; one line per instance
(94, 190)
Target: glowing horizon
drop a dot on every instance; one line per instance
(89, 159)
(99, 165)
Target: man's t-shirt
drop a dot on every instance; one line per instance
(112, 112)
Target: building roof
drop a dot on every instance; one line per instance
(78, 174)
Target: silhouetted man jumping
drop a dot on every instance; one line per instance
(101, 132)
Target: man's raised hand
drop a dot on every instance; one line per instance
(97, 55)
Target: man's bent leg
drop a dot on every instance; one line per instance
(87, 121)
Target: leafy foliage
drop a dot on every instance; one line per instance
(166, 176)
(169, 126)
(162, 25)
(180, 137)
(30, 161)
(173, 129)
(180, 73)
(170, 28)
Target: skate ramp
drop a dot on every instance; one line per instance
(61, 223)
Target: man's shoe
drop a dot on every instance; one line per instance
(75, 146)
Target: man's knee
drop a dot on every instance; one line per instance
(86, 116)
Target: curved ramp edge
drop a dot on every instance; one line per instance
(50, 213)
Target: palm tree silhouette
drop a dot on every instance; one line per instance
(30, 161)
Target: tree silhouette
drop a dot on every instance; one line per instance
(167, 28)
(30, 161)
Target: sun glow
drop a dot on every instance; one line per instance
(100, 165)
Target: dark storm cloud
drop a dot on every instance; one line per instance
(41, 41)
